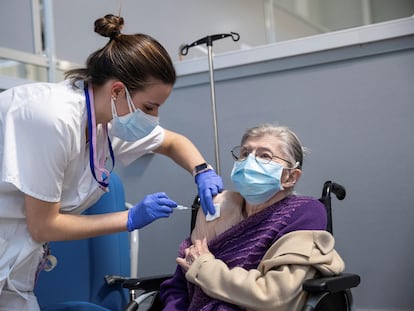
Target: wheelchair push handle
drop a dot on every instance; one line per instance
(335, 188)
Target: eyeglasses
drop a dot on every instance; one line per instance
(262, 155)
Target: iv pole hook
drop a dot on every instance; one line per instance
(208, 40)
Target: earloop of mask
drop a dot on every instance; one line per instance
(114, 113)
(129, 101)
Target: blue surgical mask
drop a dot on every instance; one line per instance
(134, 125)
(257, 182)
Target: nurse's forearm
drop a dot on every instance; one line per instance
(46, 223)
(74, 227)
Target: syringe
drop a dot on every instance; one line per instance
(182, 207)
(209, 217)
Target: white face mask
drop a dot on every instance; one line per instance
(134, 125)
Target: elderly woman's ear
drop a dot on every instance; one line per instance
(291, 178)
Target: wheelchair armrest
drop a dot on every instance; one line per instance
(151, 283)
(332, 284)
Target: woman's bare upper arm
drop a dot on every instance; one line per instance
(40, 214)
(230, 214)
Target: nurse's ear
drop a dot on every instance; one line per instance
(117, 89)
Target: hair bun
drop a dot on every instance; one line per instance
(109, 26)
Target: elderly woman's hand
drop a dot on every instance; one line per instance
(192, 253)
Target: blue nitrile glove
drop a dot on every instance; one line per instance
(209, 184)
(152, 207)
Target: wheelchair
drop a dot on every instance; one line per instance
(331, 293)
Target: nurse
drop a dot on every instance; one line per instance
(59, 142)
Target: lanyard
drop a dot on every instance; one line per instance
(104, 174)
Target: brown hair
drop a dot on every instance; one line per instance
(134, 59)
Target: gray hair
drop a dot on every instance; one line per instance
(291, 145)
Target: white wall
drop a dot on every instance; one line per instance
(171, 22)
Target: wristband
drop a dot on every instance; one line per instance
(201, 168)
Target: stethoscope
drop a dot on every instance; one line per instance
(97, 164)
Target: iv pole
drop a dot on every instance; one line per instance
(209, 41)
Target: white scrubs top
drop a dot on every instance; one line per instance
(44, 153)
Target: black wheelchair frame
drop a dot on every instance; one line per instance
(331, 293)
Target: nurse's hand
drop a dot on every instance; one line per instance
(209, 184)
(152, 207)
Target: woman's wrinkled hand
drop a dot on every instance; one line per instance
(192, 253)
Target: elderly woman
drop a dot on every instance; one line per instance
(267, 240)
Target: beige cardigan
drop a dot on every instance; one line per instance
(277, 282)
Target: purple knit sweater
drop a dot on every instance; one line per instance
(244, 245)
